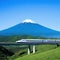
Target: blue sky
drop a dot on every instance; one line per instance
(44, 12)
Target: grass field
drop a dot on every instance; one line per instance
(40, 49)
(53, 54)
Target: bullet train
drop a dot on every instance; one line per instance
(39, 41)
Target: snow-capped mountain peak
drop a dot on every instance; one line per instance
(28, 21)
(30, 28)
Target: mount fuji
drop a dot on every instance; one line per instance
(32, 29)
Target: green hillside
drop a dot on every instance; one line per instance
(47, 55)
(39, 49)
(20, 53)
(15, 38)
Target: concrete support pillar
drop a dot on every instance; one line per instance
(33, 48)
(29, 49)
